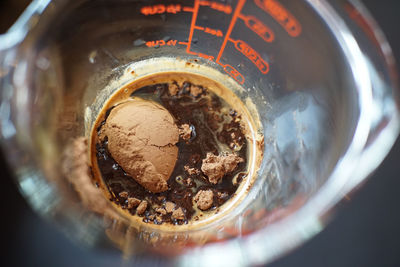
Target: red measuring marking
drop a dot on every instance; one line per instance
(161, 43)
(227, 9)
(206, 56)
(193, 25)
(187, 9)
(227, 68)
(215, 32)
(281, 15)
(258, 27)
(233, 73)
(252, 55)
(160, 9)
(231, 25)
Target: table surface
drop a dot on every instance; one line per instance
(365, 230)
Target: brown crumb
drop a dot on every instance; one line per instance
(215, 167)
(169, 206)
(185, 132)
(123, 194)
(231, 161)
(142, 207)
(159, 219)
(191, 171)
(204, 199)
(195, 90)
(161, 211)
(173, 89)
(178, 214)
(188, 181)
(133, 202)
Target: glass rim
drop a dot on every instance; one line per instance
(341, 181)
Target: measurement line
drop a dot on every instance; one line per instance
(187, 9)
(193, 24)
(231, 25)
(241, 16)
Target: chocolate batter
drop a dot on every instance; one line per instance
(209, 130)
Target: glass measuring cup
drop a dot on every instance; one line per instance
(318, 72)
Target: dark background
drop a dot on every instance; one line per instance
(365, 230)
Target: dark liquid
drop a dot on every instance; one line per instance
(214, 125)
